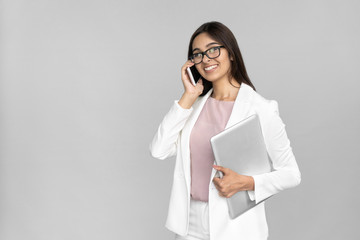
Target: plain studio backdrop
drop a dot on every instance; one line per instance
(85, 84)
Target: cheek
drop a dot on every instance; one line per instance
(227, 63)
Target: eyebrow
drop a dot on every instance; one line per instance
(212, 43)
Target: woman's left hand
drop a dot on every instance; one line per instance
(232, 182)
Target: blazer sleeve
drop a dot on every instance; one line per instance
(164, 143)
(285, 172)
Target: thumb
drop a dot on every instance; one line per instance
(220, 168)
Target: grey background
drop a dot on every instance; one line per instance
(85, 83)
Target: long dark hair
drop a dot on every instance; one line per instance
(222, 34)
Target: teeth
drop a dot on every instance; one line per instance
(211, 67)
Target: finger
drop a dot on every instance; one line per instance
(223, 194)
(229, 195)
(184, 67)
(216, 181)
(218, 184)
(220, 168)
(188, 63)
(185, 76)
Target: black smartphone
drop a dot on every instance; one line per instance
(193, 74)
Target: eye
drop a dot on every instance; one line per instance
(212, 50)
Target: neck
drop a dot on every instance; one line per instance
(224, 91)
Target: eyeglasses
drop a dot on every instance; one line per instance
(211, 53)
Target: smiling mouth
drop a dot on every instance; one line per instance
(209, 68)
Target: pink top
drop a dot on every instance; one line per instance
(212, 120)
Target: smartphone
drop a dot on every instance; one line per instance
(193, 74)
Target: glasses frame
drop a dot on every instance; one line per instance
(205, 53)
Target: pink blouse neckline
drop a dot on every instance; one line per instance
(220, 100)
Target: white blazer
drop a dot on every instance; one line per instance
(172, 138)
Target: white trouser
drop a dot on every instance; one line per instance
(198, 222)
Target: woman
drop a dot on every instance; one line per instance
(222, 97)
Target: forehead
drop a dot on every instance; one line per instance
(202, 40)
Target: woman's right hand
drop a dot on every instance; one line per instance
(191, 92)
(188, 86)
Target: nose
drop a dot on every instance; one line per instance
(207, 59)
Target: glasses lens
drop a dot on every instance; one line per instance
(196, 58)
(213, 52)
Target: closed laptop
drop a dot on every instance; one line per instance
(242, 149)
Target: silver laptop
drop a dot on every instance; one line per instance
(242, 149)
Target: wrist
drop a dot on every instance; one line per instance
(187, 100)
(251, 183)
(190, 95)
(245, 183)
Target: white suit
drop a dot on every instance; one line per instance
(172, 138)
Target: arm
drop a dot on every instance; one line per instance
(285, 175)
(285, 172)
(164, 142)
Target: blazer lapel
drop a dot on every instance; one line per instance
(241, 106)
(241, 110)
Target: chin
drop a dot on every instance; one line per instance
(212, 78)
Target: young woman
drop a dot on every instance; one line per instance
(222, 97)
